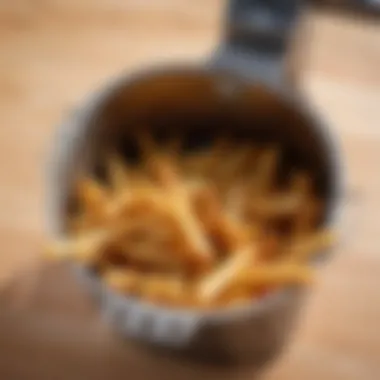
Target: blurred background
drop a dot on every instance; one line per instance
(54, 53)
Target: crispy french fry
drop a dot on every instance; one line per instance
(152, 253)
(304, 248)
(163, 289)
(122, 280)
(143, 202)
(235, 296)
(179, 203)
(92, 197)
(283, 274)
(271, 246)
(228, 234)
(83, 248)
(236, 201)
(213, 284)
(194, 237)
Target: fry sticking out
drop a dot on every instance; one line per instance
(84, 249)
(216, 282)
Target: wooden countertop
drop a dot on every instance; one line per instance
(55, 52)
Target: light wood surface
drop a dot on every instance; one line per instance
(52, 54)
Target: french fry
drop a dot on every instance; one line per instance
(153, 254)
(92, 197)
(305, 248)
(236, 201)
(228, 234)
(283, 274)
(213, 284)
(235, 296)
(163, 289)
(122, 280)
(84, 249)
(179, 202)
(271, 246)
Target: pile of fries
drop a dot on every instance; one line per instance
(204, 229)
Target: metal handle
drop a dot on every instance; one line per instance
(258, 36)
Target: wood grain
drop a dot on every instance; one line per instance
(53, 53)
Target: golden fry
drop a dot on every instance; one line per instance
(179, 202)
(235, 296)
(236, 201)
(85, 248)
(92, 197)
(228, 234)
(213, 284)
(305, 248)
(274, 274)
(122, 280)
(152, 253)
(163, 289)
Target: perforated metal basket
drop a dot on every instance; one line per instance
(199, 102)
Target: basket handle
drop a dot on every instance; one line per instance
(258, 38)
